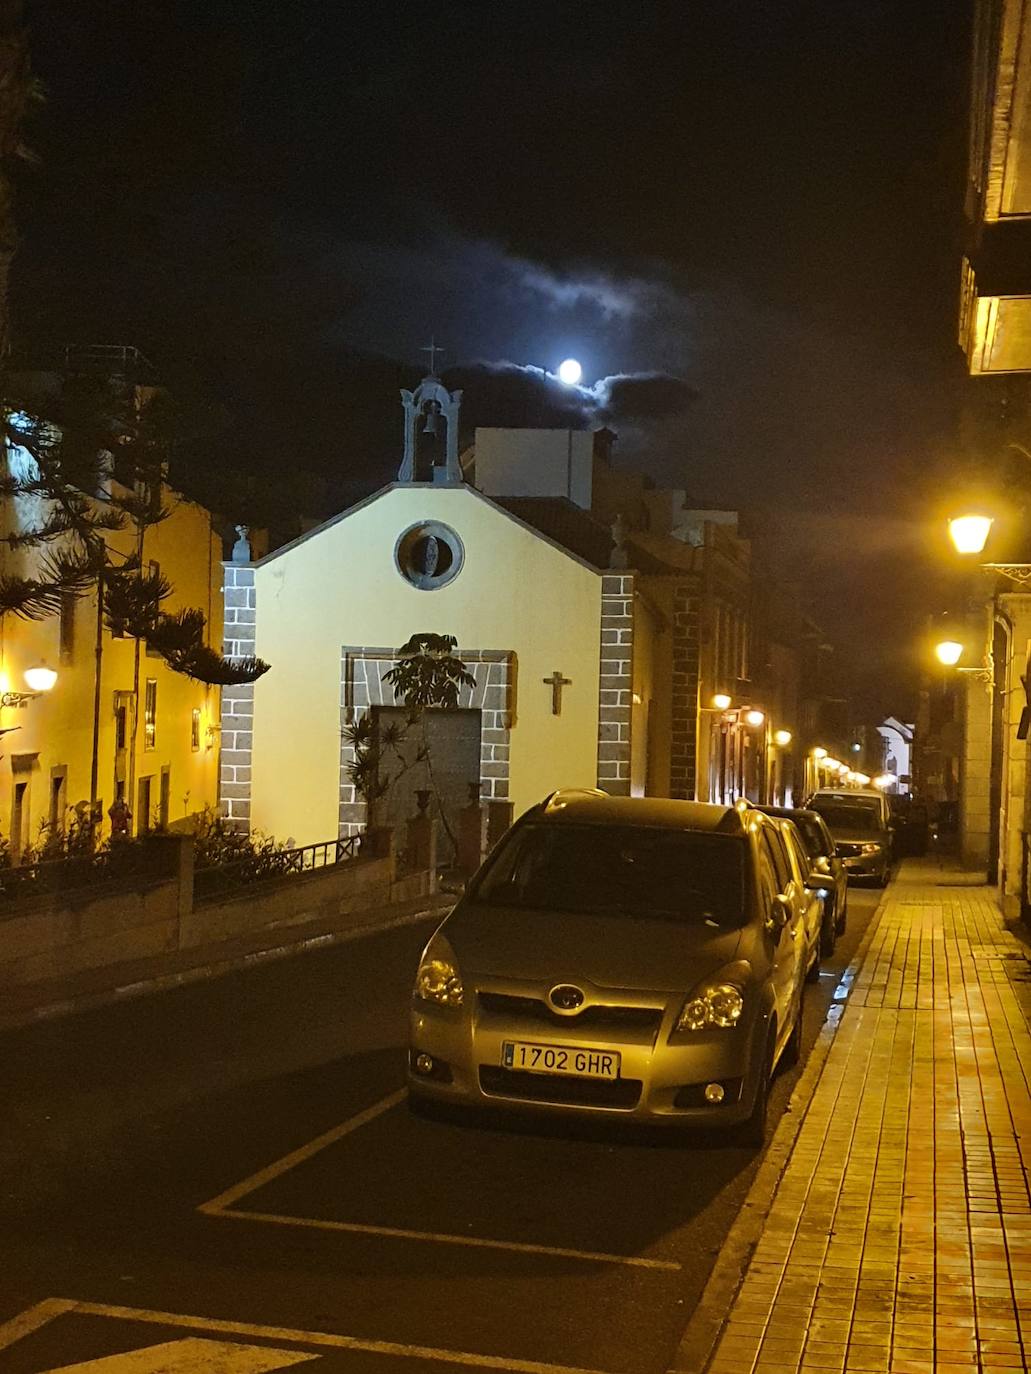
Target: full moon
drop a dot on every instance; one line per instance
(570, 372)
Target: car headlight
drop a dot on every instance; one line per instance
(439, 979)
(720, 1004)
(872, 848)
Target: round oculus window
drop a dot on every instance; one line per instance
(429, 555)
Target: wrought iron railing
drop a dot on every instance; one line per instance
(212, 882)
(54, 877)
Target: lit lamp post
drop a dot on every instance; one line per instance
(39, 679)
(969, 533)
(782, 739)
(948, 652)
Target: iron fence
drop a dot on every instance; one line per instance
(212, 882)
(54, 877)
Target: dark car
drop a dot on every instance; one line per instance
(820, 847)
(912, 827)
(863, 837)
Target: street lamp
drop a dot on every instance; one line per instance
(819, 753)
(948, 652)
(782, 738)
(722, 702)
(40, 678)
(755, 718)
(969, 533)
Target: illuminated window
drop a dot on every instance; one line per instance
(150, 714)
(195, 731)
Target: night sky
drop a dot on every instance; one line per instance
(744, 215)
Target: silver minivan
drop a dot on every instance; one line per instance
(639, 958)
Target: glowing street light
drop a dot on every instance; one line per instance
(861, 779)
(782, 738)
(754, 718)
(948, 652)
(39, 679)
(722, 702)
(819, 753)
(570, 372)
(969, 533)
(885, 780)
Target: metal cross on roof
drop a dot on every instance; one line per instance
(432, 349)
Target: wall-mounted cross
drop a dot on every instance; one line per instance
(556, 682)
(432, 349)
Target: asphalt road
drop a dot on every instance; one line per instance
(383, 1242)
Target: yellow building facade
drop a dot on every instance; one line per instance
(329, 613)
(170, 771)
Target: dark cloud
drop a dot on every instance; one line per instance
(643, 396)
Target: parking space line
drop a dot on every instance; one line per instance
(290, 1161)
(32, 1319)
(325, 1339)
(446, 1238)
(222, 1206)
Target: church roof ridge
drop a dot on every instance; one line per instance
(431, 486)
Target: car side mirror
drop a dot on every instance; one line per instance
(823, 864)
(453, 884)
(816, 880)
(780, 913)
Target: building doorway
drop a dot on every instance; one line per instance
(19, 819)
(452, 741)
(143, 816)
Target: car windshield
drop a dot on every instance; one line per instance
(851, 818)
(637, 871)
(812, 835)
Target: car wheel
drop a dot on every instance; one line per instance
(752, 1131)
(792, 1051)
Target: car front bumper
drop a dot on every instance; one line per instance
(658, 1082)
(865, 865)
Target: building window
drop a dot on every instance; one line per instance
(195, 731)
(150, 714)
(67, 627)
(143, 816)
(429, 555)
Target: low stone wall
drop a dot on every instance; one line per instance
(103, 927)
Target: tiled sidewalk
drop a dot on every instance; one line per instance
(900, 1234)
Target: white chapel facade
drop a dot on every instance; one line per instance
(547, 635)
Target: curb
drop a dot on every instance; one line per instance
(164, 982)
(703, 1330)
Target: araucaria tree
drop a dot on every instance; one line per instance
(89, 468)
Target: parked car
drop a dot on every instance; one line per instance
(859, 823)
(800, 872)
(621, 957)
(912, 826)
(823, 863)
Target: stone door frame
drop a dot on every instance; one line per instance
(493, 695)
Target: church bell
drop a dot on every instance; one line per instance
(430, 427)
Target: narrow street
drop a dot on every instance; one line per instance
(235, 1159)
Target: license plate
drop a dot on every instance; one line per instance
(527, 1057)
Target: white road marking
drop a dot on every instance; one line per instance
(192, 1355)
(32, 1319)
(323, 1339)
(222, 1206)
(446, 1238)
(290, 1161)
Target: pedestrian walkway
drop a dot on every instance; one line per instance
(899, 1237)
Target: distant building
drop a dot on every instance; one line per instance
(598, 615)
(170, 772)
